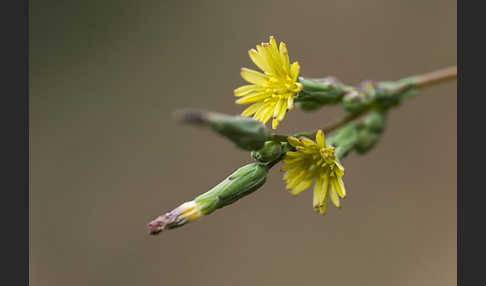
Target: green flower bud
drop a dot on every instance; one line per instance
(366, 141)
(376, 121)
(356, 101)
(360, 98)
(270, 151)
(371, 131)
(246, 133)
(242, 182)
(385, 99)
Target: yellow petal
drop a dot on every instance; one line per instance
(247, 89)
(259, 60)
(339, 165)
(290, 102)
(275, 123)
(294, 181)
(325, 188)
(307, 142)
(277, 108)
(264, 52)
(274, 52)
(333, 194)
(252, 76)
(320, 139)
(272, 59)
(292, 154)
(267, 114)
(318, 190)
(290, 175)
(303, 185)
(294, 71)
(340, 188)
(282, 111)
(323, 207)
(284, 56)
(252, 109)
(260, 112)
(252, 98)
(273, 44)
(294, 141)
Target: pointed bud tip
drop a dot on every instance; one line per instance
(191, 116)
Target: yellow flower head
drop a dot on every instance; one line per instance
(270, 93)
(314, 161)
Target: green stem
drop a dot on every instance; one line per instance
(419, 81)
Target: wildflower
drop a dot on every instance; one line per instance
(270, 93)
(314, 160)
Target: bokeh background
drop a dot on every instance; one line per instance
(107, 156)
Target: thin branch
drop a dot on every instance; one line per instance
(429, 79)
(420, 81)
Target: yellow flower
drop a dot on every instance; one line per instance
(270, 93)
(314, 161)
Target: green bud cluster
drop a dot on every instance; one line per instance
(384, 95)
(359, 137)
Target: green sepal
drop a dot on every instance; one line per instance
(324, 84)
(318, 92)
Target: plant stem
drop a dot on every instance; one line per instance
(418, 81)
(429, 79)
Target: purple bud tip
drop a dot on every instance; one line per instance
(157, 225)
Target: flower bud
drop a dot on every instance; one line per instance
(376, 121)
(371, 131)
(270, 151)
(366, 141)
(358, 99)
(242, 182)
(246, 133)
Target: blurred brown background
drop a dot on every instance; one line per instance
(106, 155)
